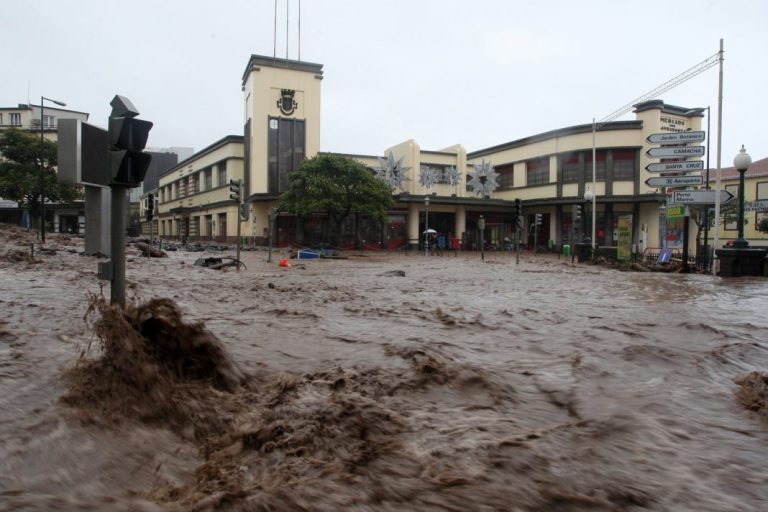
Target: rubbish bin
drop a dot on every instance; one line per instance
(566, 250)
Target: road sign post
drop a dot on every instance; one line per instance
(756, 206)
(675, 167)
(700, 197)
(675, 151)
(676, 137)
(674, 181)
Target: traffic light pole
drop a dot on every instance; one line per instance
(239, 222)
(118, 245)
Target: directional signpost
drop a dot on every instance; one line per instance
(675, 166)
(676, 151)
(675, 148)
(676, 137)
(700, 196)
(674, 181)
(756, 206)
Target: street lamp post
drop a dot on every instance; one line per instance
(426, 226)
(42, 170)
(741, 163)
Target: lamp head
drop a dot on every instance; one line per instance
(426, 200)
(742, 160)
(588, 195)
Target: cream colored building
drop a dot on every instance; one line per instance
(755, 189)
(550, 172)
(193, 197)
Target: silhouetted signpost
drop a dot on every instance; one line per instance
(111, 158)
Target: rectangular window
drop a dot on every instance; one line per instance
(537, 171)
(222, 225)
(176, 190)
(195, 183)
(506, 178)
(1, 119)
(49, 121)
(208, 174)
(624, 165)
(570, 166)
(286, 141)
(222, 173)
(600, 171)
(15, 119)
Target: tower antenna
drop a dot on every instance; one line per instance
(287, 19)
(299, 29)
(274, 35)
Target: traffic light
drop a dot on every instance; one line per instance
(234, 190)
(128, 136)
(519, 213)
(538, 219)
(150, 206)
(576, 215)
(245, 211)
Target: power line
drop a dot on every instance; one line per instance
(669, 84)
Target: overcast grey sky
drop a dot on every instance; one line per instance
(473, 72)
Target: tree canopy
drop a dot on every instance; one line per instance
(338, 186)
(20, 171)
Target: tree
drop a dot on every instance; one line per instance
(20, 171)
(762, 225)
(338, 186)
(703, 214)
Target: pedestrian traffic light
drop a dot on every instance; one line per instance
(576, 214)
(150, 206)
(538, 219)
(128, 136)
(234, 190)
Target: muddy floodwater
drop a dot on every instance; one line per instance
(378, 382)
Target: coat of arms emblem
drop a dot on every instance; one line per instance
(286, 103)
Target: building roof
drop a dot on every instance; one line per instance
(757, 169)
(562, 132)
(297, 65)
(228, 139)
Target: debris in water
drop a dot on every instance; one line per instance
(753, 391)
(153, 367)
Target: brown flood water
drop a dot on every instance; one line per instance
(458, 385)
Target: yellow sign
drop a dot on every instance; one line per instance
(624, 244)
(675, 211)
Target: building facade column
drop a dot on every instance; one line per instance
(461, 222)
(413, 225)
